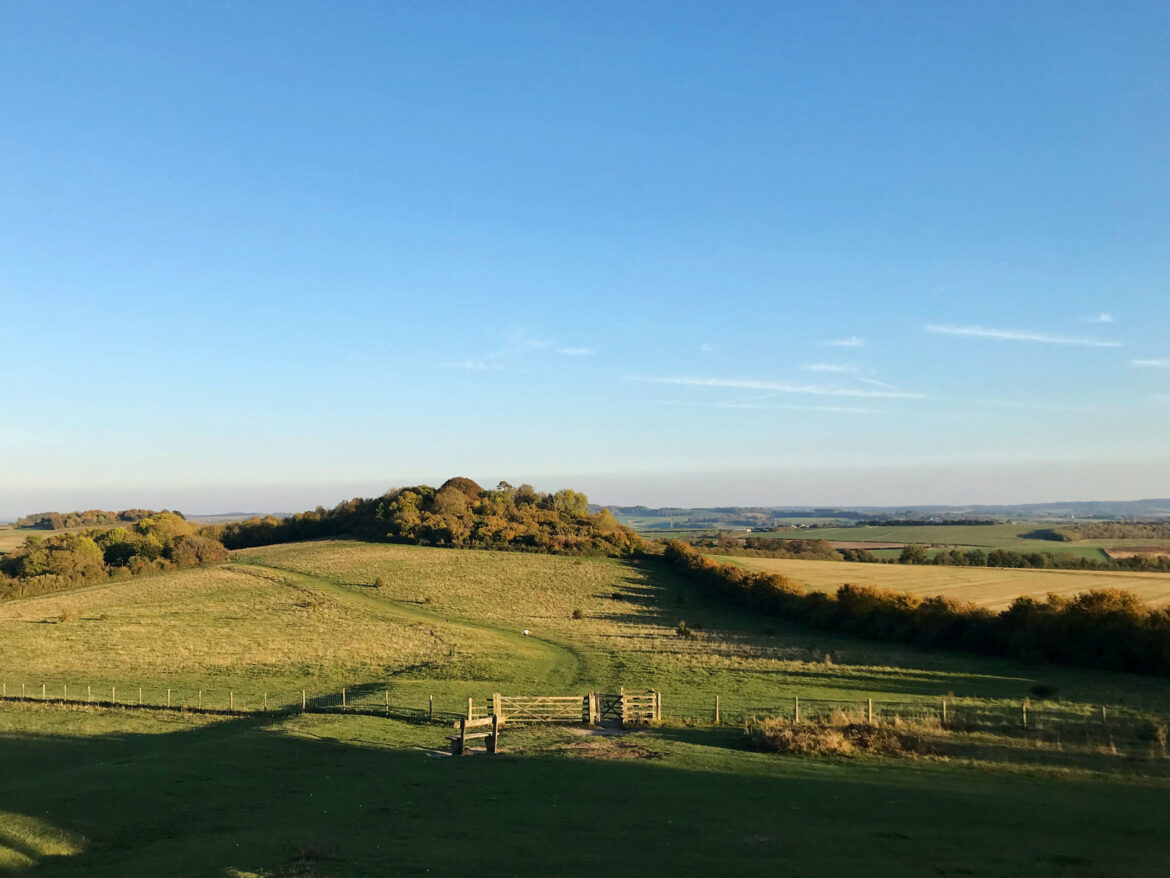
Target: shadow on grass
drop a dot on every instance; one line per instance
(243, 795)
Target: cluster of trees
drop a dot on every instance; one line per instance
(160, 541)
(1116, 530)
(88, 518)
(1109, 629)
(762, 547)
(457, 513)
(917, 554)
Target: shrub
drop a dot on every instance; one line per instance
(682, 630)
(379, 582)
(577, 614)
(826, 738)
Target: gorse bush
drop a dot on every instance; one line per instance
(1110, 629)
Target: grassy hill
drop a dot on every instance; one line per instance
(121, 792)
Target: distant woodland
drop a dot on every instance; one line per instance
(88, 518)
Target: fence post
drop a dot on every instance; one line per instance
(796, 704)
(343, 696)
(168, 698)
(869, 709)
(1103, 721)
(657, 705)
(302, 701)
(266, 702)
(387, 702)
(231, 701)
(201, 699)
(64, 691)
(1024, 712)
(42, 691)
(22, 696)
(716, 710)
(469, 708)
(113, 695)
(497, 705)
(89, 693)
(945, 712)
(140, 696)
(431, 708)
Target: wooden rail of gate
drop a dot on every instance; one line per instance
(542, 708)
(626, 707)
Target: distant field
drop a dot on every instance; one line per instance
(990, 536)
(990, 587)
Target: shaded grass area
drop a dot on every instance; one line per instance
(112, 794)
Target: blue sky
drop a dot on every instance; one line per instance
(265, 256)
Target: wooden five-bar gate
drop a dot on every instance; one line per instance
(626, 707)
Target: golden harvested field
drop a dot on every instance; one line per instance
(991, 587)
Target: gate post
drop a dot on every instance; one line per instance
(497, 707)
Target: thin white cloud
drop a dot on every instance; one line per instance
(852, 342)
(885, 385)
(473, 366)
(576, 352)
(1017, 335)
(706, 348)
(830, 367)
(836, 409)
(782, 387)
(1158, 363)
(1100, 317)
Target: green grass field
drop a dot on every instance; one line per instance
(121, 792)
(992, 587)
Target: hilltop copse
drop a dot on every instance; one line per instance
(459, 513)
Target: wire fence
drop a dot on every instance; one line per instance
(228, 701)
(1044, 721)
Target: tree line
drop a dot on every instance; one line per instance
(1109, 629)
(87, 518)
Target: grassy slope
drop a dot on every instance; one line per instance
(122, 793)
(987, 586)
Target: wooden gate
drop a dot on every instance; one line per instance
(609, 709)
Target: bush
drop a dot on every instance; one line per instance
(827, 738)
(577, 614)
